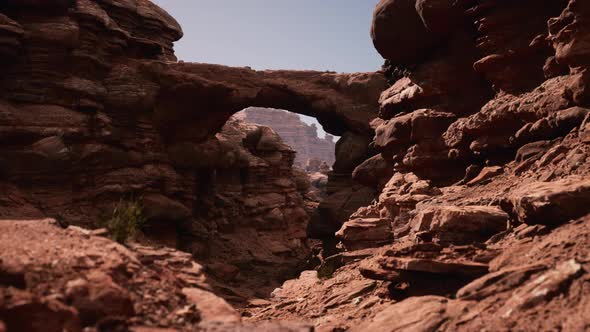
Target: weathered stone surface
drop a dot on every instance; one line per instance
(338, 207)
(490, 129)
(486, 174)
(497, 282)
(441, 17)
(553, 126)
(460, 224)
(437, 83)
(392, 22)
(433, 266)
(552, 203)
(365, 233)
(420, 314)
(542, 288)
(160, 208)
(411, 128)
(331, 98)
(511, 40)
(210, 306)
(262, 327)
(373, 172)
(91, 278)
(351, 150)
(96, 297)
(23, 311)
(94, 109)
(570, 36)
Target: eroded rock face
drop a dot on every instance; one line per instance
(390, 19)
(481, 153)
(552, 202)
(94, 109)
(487, 141)
(75, 280)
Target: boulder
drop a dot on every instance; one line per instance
(570, 35)
(551, 203)
(553, 126)
(397, 31)
(532, 150)
(486, 174)
(460, 224)
(210, 306)
(440, 17)
(419, 314)
(365, 233)
(97, 296)
(373, 172)
(400, 131)
(444, 81)
(337, 209)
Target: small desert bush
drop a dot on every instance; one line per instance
(126, 221)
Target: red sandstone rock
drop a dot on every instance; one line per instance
(415, 314)
(497, 282)
(361, 233)
(97, 296)
(542, 288)
(211, 307)
(485, 175)
(373, 172)
(460, 224)
(552, 203)
(396, 22)
(23, 311)
(94, 108)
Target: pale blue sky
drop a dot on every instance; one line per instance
(277, 34)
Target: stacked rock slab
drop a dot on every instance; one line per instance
(496, 157)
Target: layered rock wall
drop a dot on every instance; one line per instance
(476, 152)
(95, 109)
(485, 127)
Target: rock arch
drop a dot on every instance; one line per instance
(94, 106)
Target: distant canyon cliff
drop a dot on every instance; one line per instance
(303, 138)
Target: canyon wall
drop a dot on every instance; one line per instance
(95, 110)
(482, 218)
(459, 193)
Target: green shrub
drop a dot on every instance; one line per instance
(126, 221)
